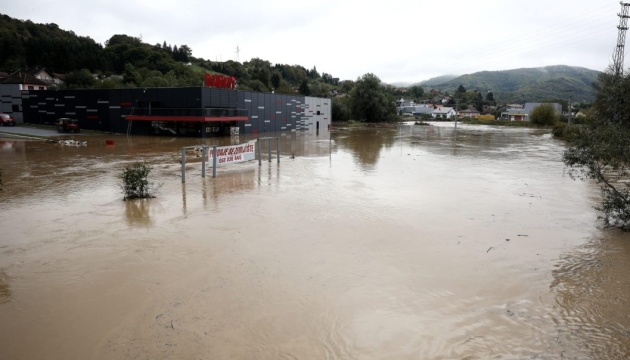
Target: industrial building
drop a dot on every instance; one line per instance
(189, 111)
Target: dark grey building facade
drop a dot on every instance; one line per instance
(178, 111)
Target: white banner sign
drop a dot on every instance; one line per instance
(233, 153)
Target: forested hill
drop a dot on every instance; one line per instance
(532, 84)
(27, 44)
(24, 44)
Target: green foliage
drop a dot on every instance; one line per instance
(24, 43)
(136, 183)
(340, 109)
(79, 79)
(460, 92)
(562, 130)
(417, 91)
(131, 76)
(544, 115)
(369, 102)
(601, 149)
(304, 88)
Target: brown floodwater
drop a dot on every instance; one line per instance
(384, 242)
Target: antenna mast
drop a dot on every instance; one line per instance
(621, 39)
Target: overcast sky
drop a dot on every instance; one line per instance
(398, 41)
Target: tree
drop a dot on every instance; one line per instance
(340, 110)
(544, 114)
(131, 76)
(490, 97)
(79, 79)
(600, 150)
(417, 91)
(460, 92)
(304, 88)
(276, 77)
(368, 101)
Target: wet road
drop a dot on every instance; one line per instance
(385, 243)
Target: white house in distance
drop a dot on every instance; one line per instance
(444, 113)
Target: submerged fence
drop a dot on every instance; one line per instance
(224, 155)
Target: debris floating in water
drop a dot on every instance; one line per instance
(70, 142)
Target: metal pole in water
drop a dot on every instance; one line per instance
(259, 158)
(269, 148)
(214, 161)
(278, 149)
(183, 161)
(204, 151)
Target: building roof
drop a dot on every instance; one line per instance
(423, 110)
(22, 77)
(443, 110)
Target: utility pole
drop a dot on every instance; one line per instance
(456, 110)
(621, 39)
(570, 107)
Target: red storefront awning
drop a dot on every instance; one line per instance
(186, 118)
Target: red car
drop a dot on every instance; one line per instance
(6, 120)
(66, 125)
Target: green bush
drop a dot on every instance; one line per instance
(558, 129)
(565, 132)
(136, 183)
(544, 115)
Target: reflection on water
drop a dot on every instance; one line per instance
(5, 291)
(137, 212)
(377, 242)
(366, 143)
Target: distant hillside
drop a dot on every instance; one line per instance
(438, 80)
(533, 84)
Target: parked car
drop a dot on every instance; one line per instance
(6, 120)
(67, 125)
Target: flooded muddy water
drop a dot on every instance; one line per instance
(384, 242)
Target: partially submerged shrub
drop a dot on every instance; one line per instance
(136, 183)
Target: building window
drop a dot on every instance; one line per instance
(41, 88)
(31, 87)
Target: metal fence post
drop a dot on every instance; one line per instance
(259, 157)
(214, 161)
(269, 148)
(204, 151)
(278, 149)
(183, 161)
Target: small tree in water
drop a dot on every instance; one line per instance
(600, 150)
(136, 183)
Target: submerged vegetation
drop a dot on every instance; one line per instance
(136, 183)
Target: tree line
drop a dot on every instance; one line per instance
(125, 61)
